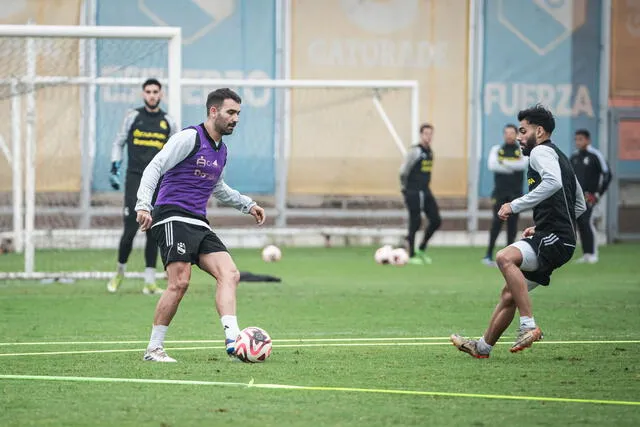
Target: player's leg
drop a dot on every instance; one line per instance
(178, 243)
(218, 263)
(496, 225)
(150, 259)
(501, 318)
(586, 230)
(412, 202)
(128, 234)
(432, 212)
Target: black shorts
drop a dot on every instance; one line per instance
(183, 242)
(552, 252)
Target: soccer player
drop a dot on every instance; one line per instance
(144, 131)
(415, 177)
(594, 177)
(508, 165)
(557, 200)
(191, 165)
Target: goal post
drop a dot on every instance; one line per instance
(28, 79)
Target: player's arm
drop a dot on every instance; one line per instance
(233, 198)
(177, 148)
(544, 160)
(605, 172)
(230, 197)
(493, 162)
(581, 203)
(117, 148)
(410, 159)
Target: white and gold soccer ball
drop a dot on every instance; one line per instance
(271, 253)
(253, 345)
(399, 256)
(383, 254)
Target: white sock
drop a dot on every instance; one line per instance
(121, 269)
(483, 347)
(230, 326)
(527, 322)
(157, 336)
(149, 275)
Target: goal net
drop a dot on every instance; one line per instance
(296, 139)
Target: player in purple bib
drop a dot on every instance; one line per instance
(191, 166)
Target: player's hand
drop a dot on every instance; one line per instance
(590, 198)
(144, 219)
(505, 211)
(258, 213)
(528, 232)
(114, 178)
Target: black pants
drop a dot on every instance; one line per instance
(496, 224)
(416, 203)
(131, 226)
(587, 232)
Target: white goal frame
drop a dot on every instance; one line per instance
(25, 237)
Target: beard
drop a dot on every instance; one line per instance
(224, 128)
(528, 145)
(150, 105)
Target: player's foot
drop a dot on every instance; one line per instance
(231, 349)
(425, 258)
(152, 289)
(587, 259)
(115, 283)
(526, 337)
(157, 355)
(415, 260)
(488, 262)
(468, 346)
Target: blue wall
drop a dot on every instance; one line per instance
(540, 51)
(234, 39)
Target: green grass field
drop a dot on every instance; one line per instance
(349, 332)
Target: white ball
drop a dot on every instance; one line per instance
(253, 345)
(399, 256)
(271, 253)
(383, 254)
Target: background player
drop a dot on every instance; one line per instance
(556, 198)
(415, 177)
(144, 131)
(191, 166)
(594, 177)
(508, 165)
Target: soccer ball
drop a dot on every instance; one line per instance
(271, 253)
(253, 345)
(383, 254)
(398, 256)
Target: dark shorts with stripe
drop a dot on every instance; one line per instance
(184, 242)
(552, 251)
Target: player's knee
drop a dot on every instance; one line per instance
(229, 277)
(504, 258)
(179, 285)
(436, 222)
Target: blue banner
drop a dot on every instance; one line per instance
(232, 39)
(540, 51)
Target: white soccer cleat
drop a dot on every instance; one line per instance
(157, 355)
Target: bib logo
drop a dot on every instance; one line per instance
(216, 10)
(381, 16)
(560, 18)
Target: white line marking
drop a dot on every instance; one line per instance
(217, 341)
(252, 384)
(360, 344)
